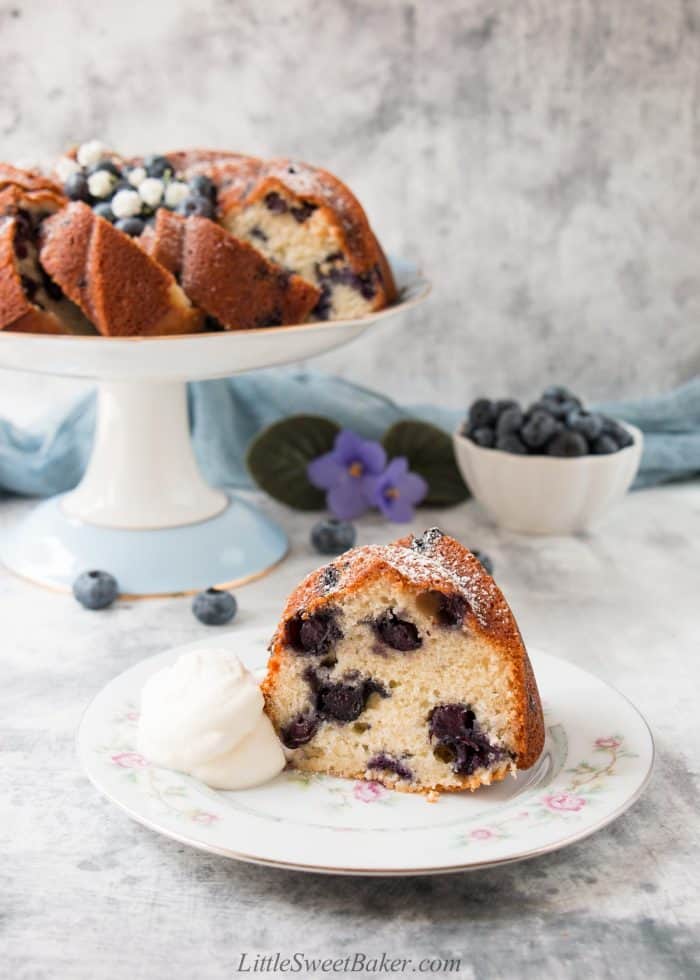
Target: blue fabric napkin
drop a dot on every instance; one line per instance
(226, 414)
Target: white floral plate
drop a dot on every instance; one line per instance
(596, 762)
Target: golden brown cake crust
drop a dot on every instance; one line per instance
(114, 282)
(431, 562)
(227, 278)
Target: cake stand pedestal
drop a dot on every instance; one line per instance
(143, 511)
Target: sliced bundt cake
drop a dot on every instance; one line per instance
(114, 282)
(403, 664)
(226, 278)
(30, 302)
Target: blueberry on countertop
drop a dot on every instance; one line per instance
(213, 607)
(95, 589)
(332, 537)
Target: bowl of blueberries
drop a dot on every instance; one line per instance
(551, 468)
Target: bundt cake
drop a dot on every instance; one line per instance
(227, 242)
(227, 278)
(30, 302)
(403, 664)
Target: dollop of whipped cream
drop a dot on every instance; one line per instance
(203, 715)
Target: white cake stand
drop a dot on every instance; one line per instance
(143, 510)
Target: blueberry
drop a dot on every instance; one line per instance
(196, 205)
(459, 739)
(214, 607)
(589, 424)
(203, 186)
(559, 409)
(452, 608)
(76, 187)
(481, 413)
(130, 226)
(275, 202)
(332, 537)
(299, 731)
(399, 634)
(511, 443)
(503, 404)
(509, 421)
(604, 444)
(343, 702)
(108, 165)
(158, 166)
(388, 763)
(559, 393)
(618, 432)
(568, 443)
(539, 428)
(104, 210)
(485, 559)
(121, 185)
(483, 436)
(95, 590)
(316, 634)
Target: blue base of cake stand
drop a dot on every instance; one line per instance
(50, 548)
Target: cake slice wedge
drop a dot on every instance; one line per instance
(121, 289)
(30, 302)
(403, 664)
(228, 279)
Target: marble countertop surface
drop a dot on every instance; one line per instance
(87, 893)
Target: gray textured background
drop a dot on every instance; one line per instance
(539, 157)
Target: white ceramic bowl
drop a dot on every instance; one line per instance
(547, 494)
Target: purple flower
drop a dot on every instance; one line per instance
(397, 491)
(344, 472)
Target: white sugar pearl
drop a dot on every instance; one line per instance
(66, 167)
(100, 183)
(151, 191)
(175, 193)
(126, 204)
(90, 153)
(137, 176)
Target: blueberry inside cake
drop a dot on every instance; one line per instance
(403, 664)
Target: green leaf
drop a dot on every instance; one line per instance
(279, 455)
(430, 454)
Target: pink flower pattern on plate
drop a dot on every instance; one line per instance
(564, 801)
(482, 833)
(201, 816)
(130, 760)
(368, 792)
(610, 742)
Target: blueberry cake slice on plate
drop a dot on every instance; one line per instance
(403, 664)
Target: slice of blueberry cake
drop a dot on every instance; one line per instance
(228, 279)
(403, 664)
(30, 302)
(307, 221)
